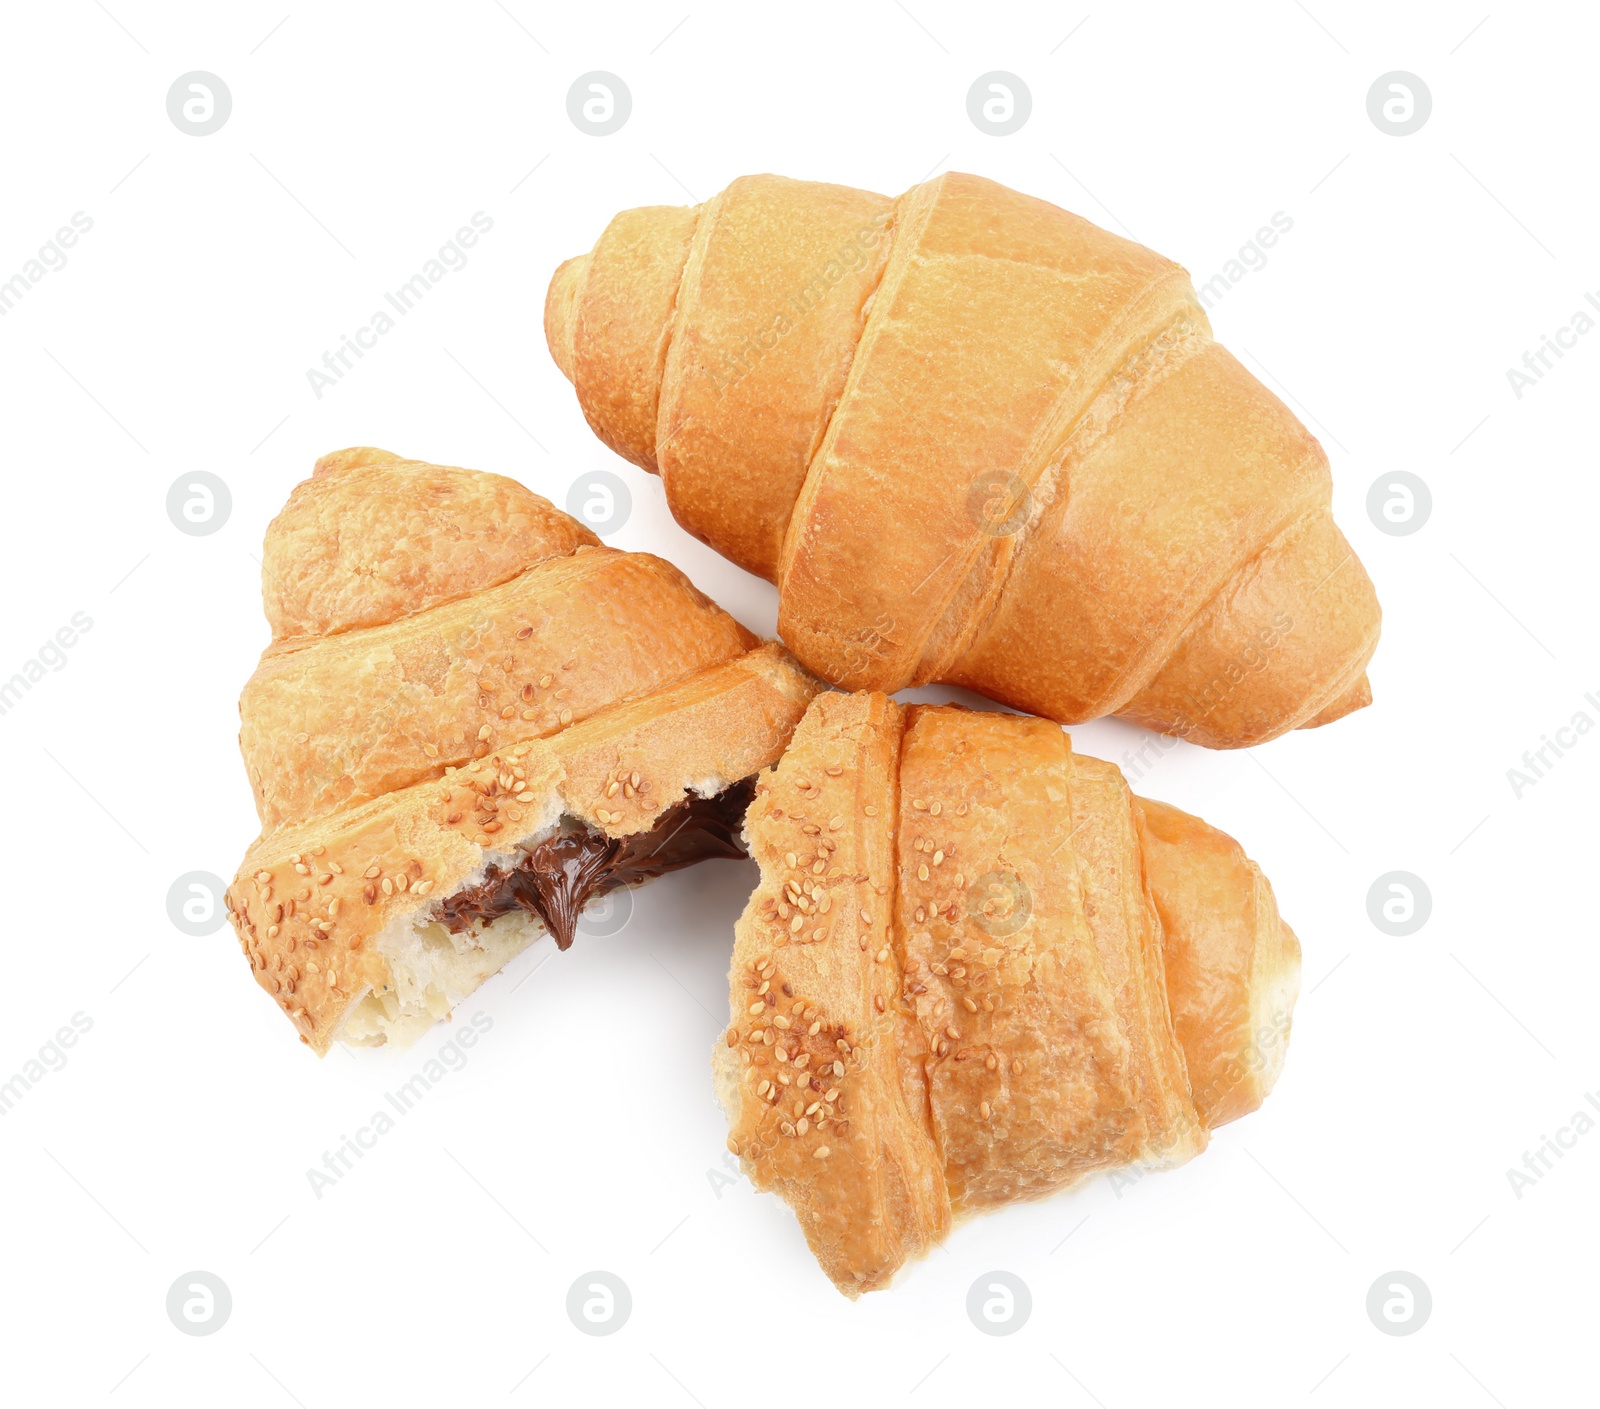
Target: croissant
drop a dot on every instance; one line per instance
(977, 969)
(472, 719)
(975, 439)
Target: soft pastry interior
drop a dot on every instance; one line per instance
(473, 718)
(439, 956)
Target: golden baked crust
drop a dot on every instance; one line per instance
(974, 438)
(448, 711)
(962, 981)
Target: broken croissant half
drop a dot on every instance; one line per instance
(978, 969)
(472, 718)
(973, 438)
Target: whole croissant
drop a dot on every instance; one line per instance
(973, 438)
(473, 718)
(977, 969)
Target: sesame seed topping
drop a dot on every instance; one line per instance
(821, 1152)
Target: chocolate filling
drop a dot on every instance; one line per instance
(557, 877)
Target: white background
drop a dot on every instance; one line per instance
(583, 1133)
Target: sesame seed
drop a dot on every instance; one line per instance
(870, 811)
(755, 1008)
(919, 804)
(821, 1152)
(877, 1002)
(565, 716)
(970, 1006)
(938, 858)
(834, 823)
(983, 1109)
(1016, 1066)
(802, 1125)
(922, 871)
